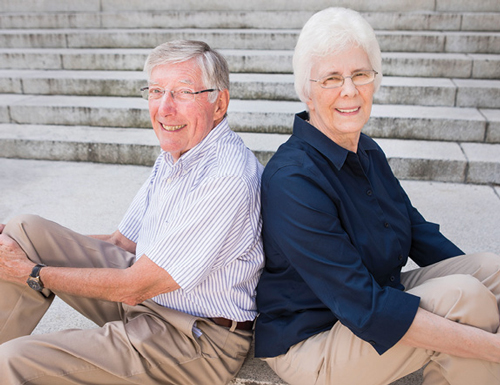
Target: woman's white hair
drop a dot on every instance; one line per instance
(214, 68)
(331, 31)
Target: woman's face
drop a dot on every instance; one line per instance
(340, 113)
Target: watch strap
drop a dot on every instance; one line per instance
(35, 273)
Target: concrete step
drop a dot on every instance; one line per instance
(394, 90)
(417, 21)
(448, 65)
(390, 41)
(242, 5)
(477, 163)
(387, 121)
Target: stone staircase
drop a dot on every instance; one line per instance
(70, 72)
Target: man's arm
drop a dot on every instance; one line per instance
(430, 331)
(133, 285)
(143, 280)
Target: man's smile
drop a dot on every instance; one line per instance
(172, 128)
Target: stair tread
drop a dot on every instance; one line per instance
(428, 20)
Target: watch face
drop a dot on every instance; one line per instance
(34, 284)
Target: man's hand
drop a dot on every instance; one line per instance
(117, 239)
(14, 265)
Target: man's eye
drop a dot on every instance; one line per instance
(155, 91)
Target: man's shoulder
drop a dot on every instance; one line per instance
(232, 157)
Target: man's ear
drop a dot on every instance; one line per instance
(221, 104)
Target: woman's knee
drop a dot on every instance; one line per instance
(461, 298)
(487, 264)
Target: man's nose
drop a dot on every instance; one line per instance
(167, 103)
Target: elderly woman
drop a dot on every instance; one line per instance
(334, 306)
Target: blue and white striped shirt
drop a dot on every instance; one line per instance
(199, 219)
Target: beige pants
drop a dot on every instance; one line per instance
(144, 344)
(465, 289)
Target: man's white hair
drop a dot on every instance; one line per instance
(214, 68)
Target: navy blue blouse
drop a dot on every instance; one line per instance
(337, 229)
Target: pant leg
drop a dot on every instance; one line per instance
(154, 346)
(485, 268)
(339, 357)
(21, 308)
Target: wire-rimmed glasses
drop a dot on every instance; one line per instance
(359, 78)
(180, 95)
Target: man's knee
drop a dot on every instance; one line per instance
(18, 361)
(10, 353)
(461, 298)
(20, 223)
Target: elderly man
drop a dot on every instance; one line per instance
(173, 289)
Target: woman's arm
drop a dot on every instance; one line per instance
(430, 331)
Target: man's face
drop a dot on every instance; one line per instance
(181, 125)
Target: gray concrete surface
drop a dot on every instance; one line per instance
(92, 198)
(423, 20)
(394, 90)
(224, 5)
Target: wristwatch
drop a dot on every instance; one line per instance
(34, 280)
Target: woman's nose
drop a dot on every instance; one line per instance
(348, 88)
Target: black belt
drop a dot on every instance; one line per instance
(246, 325)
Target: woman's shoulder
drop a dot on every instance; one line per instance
(368, 143)
(291, 154)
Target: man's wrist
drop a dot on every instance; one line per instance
(34, 281)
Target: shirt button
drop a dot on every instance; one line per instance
(369, 192)
(386, 225)
(392, 278)
(400, 257)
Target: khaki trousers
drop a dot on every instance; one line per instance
(143, 344)
(464, 289)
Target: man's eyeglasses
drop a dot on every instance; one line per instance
(358, 79)
(181, 95)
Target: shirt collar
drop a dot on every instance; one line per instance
(192, 157)
(331, 150)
